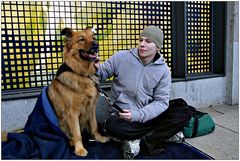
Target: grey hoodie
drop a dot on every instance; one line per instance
(144, 90)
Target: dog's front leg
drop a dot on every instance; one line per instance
(94, 128)
(73, 123)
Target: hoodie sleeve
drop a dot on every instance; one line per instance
(159, 104)
(107, 69)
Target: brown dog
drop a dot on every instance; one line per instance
(72, 92)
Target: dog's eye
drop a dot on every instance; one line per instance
(94, 38)
(80, 39)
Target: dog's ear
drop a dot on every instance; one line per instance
(68, 35)
(91, 29)
(88, 27)
(67, 32)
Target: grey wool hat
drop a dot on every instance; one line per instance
(155, 34)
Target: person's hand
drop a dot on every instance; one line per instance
(97, 62)
(127, 115)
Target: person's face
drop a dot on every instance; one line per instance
(146, 48)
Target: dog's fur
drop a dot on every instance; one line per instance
(73, 94)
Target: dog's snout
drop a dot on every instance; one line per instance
(95, 44)
(95, 47)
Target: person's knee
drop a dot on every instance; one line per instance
(113, 127)
(121, 129)
(118, 128)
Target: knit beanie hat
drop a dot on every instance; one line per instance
(155, 34)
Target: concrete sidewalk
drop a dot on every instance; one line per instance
(223, 143)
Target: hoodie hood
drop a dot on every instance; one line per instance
(160, 59)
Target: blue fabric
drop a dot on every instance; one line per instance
(177, 151)
(43, 139)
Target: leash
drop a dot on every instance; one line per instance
(104, 94)
(64, 68)
(100, 90)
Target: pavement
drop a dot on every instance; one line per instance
(223, 142)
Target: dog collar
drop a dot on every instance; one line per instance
(63, 68)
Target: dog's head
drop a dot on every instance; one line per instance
(83, 43)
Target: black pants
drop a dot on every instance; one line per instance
(153, 133)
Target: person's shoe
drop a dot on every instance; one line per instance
(177, 138)
(130, 149)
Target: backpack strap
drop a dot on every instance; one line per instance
(196, 116)
(195, 125)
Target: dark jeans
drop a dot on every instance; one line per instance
(153, 133)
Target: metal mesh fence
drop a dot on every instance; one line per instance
(32, 44)
(199, 37)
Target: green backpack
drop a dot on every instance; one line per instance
(200, 124)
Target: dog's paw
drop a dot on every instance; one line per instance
(103, 139)
(81, 152)
(100, 138)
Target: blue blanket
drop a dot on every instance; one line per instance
(43, 139)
